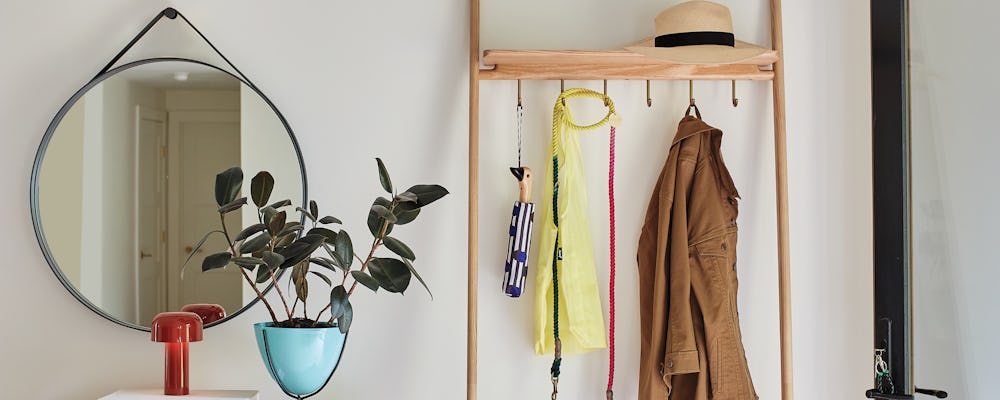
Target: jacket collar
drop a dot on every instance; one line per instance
(690, 126)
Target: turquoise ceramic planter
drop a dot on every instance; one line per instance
(300, 360)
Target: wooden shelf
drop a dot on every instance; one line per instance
(612, 64)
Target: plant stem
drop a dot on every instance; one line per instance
(274, 278)
(375, 244)
(260, 295)
(274, 282)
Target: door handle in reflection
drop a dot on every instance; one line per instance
(143, 254)
(189, 249)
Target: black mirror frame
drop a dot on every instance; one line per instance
(40, 155)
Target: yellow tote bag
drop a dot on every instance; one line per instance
(581, 318)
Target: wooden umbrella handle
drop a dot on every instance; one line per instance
(525, 186)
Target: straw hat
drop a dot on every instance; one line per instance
(696, 32)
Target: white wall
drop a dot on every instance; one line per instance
(953, 150)
(407, 102)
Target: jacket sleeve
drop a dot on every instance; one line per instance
(681, 355)
(653, 290)
(667, 345)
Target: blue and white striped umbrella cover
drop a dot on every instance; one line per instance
(516, 268)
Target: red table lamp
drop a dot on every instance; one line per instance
(176, 330)
(209, 313)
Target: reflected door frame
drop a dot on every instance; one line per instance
(144, 113)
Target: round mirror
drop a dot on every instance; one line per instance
(122, 190)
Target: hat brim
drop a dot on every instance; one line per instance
(698, 54)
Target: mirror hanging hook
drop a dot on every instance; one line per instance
(736, 101)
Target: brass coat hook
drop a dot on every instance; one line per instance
(562, 88)
(691, 93)
(519, 93)
(736, 102)
(649, 98)
(605, 92)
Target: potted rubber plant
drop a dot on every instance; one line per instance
(301, 346)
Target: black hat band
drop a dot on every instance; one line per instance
(696, 38)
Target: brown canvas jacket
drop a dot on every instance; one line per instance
(691, 347)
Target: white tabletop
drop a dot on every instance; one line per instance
(150, 394)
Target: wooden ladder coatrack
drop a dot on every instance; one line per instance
(625, 65)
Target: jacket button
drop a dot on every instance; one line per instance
(670, 363)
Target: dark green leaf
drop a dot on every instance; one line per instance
(227, 185)
(384, 213)
(366, 280)
(284, 241)
(345, 249)
(256, 243)
(264, 273)
(217, 260)
(233, 205)
(325, 263)
(383, 176)
(398, 247)
(279, 204)
(194, 250)
(344, 322)
(375, 223)
(314, 209)
(335, 259)
(250, 231)
(273, 260)
(277, 222)
(299, 274)
(306, 213)
(260, 188)
(407, 197)
(391, 274)
(427, 194)
(323, 277)
(267, 213)
(247, 262)
(329, 235)
(414, 272)
(404, 216)
(300, 250)
(329, 220)
(290, 227)
(338, 301)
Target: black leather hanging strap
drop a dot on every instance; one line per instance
(172, 13)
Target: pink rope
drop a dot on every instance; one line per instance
(611, 282)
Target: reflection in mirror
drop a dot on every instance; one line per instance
(124, 185)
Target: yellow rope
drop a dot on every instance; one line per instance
(561, 115)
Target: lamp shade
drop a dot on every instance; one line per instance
(178, 326)
(209, 313)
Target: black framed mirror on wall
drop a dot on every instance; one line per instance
(933, 142)
(121, 189)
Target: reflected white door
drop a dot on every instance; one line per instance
(151, 132)
(201, 144)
